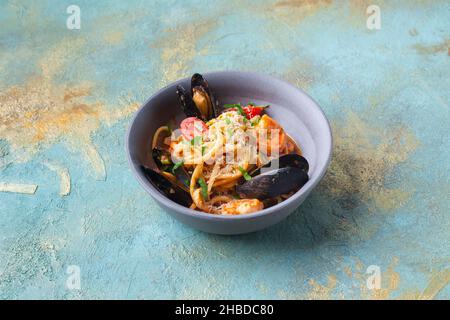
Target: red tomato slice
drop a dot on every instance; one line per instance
(252, 111)
(192, 127)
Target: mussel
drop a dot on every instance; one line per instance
(200, 102)
(164, 163)
(287, 160)
(291, 175)
(187, 104)
(171, 190)
(162, 158)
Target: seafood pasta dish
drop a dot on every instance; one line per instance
(225, 159)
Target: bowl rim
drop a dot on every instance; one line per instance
(160, 198)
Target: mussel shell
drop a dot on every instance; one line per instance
(180, 173)
(187, 104)
(167, 188)
(157, 154)
(197, 81)
(270, 202)
(273, 183)
(203, 102)
(183, 177)
(288, 160)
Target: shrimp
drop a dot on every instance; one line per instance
(241, 206)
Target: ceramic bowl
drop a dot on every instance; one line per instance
(297, 113)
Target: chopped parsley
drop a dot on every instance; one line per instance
(255, 121)
(232, 105)
(229, 132)
(204, 188)
(196, 140)
(203, 150)
(176, 166)
(242, 112)
(244, 173)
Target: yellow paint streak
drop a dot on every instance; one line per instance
(363, 157)
(322, 292)
(179, 46)
(44, 111)
(294, 11)
(443, 47)
(301, 73)
(114, 37)
(390, 281)
(438, 282)
(306, 5)
(55, 58)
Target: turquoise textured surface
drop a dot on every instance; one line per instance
(67, 96)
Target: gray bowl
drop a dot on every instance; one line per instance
(300, 116)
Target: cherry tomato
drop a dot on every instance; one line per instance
(252, 111)
(192, 127)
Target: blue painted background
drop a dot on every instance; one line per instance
(67, 97)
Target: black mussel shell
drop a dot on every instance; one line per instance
(180, 172)
(273, 183)
(167, 188)
(197, 81)
(157, 155)
(270, 202)
(288, 160)
(187, 104)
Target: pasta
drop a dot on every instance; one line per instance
(218, 156)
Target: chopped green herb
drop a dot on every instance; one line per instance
(233, 105)
(204, 187)
(255, 120)
(203, 150)
(196, 140)
(176, 166)
(244, 173)
(229, 132)
(242, 112)
(227, 120)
